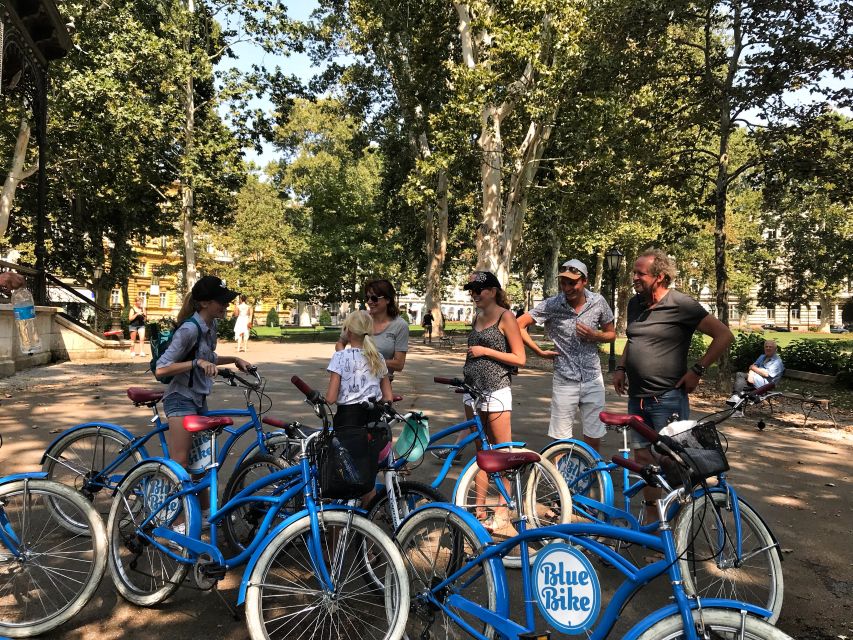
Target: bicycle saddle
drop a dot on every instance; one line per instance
(617, 419)
(496, 460)
(138, 395)
(194, 424)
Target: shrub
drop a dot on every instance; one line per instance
(845, 372)
(272, 318)
(225, 328)
(697, 347)
(745, 350)
(325, 318)
(405, 316)
(816, 356)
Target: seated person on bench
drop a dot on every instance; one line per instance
(768, 368)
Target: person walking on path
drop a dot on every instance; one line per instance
(390, 331)
(577, 320)
(495, 351)
(136, 319)
(243, 325)
(653, 367)
(427, 325)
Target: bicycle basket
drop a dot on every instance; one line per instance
(414, 438)
(347, 461)
(703, 453)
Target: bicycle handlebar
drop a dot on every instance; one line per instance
(760, 391)
(312, 395)
(232, 377)
(453, 382)
(644, 430)
(630, 465)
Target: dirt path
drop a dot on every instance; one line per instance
(798, 479)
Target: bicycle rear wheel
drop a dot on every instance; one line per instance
(576, 465)
(436, 543)
(718, 624)
(77, 460)
(411, 496)
(286, 598)
(142, 573)
(545, 497)
(47, 572)
(705, 538)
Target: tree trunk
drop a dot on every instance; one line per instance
(549, 286)
(491, 217)
(17, 173)
(599, 271)
(827, 309)
(187, 193)
(436, 246)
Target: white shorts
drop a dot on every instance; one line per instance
(569, 396)
(500, 400)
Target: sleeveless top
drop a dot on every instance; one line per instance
(484, 372)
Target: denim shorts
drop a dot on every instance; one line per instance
(175, 405)
(658, 411)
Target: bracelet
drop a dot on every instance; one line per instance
(698, 369)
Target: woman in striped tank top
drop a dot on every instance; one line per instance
(495, 351)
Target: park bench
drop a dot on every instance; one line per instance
(446, 341)
(808, 402)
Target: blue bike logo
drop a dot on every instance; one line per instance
(566, 588)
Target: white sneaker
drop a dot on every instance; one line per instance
(733, 400)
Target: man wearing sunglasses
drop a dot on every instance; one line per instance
(577, 320)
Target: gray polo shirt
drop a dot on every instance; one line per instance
(578, 360)
(179, 349)
(395, 337)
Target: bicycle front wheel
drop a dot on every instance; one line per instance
(718, 624)
(577, 467)
(436, 543)
(47, 572)
(706, 541)
(78, 459)
(143, 574)
(287, 599)
(545, 497)
(411, 496)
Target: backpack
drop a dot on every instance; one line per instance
(159, 343)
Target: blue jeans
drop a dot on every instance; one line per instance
(658, 411)
(176, 405)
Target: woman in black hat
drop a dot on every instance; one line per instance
(191, 360)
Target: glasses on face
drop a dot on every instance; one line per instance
(374, 298)
(478, 289)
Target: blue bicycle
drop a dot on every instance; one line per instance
(322, 571)
(459, 585)
(47, 573)
(93, 457)
(727, 547)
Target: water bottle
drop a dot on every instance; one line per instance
(201, 453)
(25, 318)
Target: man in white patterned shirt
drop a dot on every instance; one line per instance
(577, 320)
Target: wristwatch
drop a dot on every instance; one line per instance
(698, 369)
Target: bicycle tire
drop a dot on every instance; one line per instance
(284, 579)
(412, 495)
(546, 501)
(68, 578)
(160, 575)
(77, 458)
(720, 624)
(703, 537)
(435, 543)
(572, 461)
(241, 524)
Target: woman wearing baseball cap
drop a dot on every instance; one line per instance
(192, 360)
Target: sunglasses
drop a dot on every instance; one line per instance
(573, 270)
(374, 298)
(478, 288)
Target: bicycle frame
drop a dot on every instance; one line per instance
(575, 534)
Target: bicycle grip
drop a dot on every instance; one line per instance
(451, 381)
(300, 384)
(630, 465)
(643, 429)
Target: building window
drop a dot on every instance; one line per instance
(771, 313)
(115, 296)
(155, 280)
(163, 300)
(734, 314)
(164, 243)
(795, 312)
(143, 268)
(819, 312)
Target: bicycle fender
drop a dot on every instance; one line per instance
(502, 445)
(250, 565)
(737, 496)
(108, 426)
(31, 475)
(580, 444)
(707, 603)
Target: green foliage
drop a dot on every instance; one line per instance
(697, 347)
(325, 318)
(745, 350)
(844, 378)
(225, 328)
(272, 318)
(405, 316)
(815, 356)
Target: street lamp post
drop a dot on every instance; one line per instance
(613, 260)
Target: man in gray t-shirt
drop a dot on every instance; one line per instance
(661, 322)
(577, 320)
